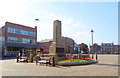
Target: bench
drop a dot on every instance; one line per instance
(22, 59)
(43, 60)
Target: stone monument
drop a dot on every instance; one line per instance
(56, 49)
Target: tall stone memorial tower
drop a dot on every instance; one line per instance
(56, 49)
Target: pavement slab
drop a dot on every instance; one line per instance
(107, 66)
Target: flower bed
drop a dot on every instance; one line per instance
(77, 61)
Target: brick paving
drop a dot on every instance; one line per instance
(107, 66)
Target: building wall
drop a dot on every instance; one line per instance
(116, 49)
(107, 48)
(45, 46)
(95, 48)
(0, 43)
(17, 26)
(68, 44)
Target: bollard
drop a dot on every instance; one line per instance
(17, 59)
(53, 59)
(96, 57)
(36, 58)
(31, 58)
(92, 56)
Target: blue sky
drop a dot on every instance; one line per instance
(78, 18)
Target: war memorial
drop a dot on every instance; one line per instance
(56, 49)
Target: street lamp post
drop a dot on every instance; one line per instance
(36, 21)
(36, 30)
(92, 42)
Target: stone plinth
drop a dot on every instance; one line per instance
(57, 52)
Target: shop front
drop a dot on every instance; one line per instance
(15, 49)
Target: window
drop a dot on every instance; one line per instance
(12, 39)
(20, 40)
(28, 33)
(2, 38)
(17, 31)
(30, 41)
(20, 31)
(31, 33)
(9, 39)
(24, 32)
(11, 30)
(26, 40)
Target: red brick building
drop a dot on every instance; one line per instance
(67, 42)
(18, 38)
(45, 45)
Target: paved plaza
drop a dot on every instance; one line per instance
(107, 66)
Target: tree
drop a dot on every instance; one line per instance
(83, 47)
